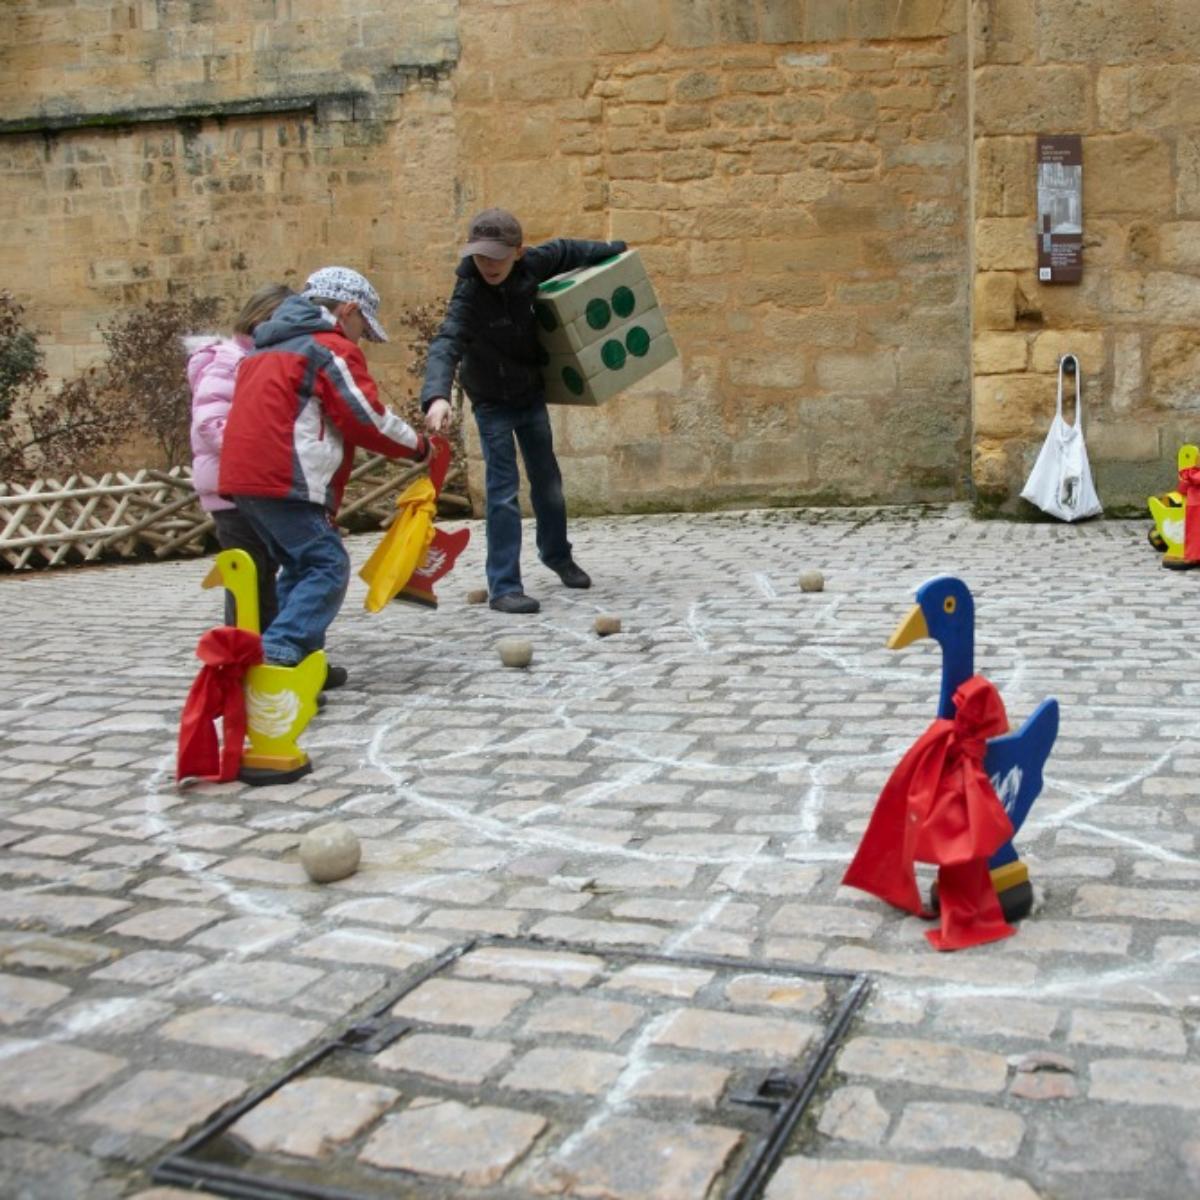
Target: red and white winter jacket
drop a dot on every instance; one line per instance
(303, 402)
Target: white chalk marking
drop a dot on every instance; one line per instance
(765, 586)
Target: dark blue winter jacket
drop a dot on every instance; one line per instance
(490, 333)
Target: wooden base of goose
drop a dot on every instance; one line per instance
(1013, 890)
(268, 774)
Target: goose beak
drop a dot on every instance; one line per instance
(911, 629)
(213, 579)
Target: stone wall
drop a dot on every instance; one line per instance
(208, 148)
(835, 201)
(1123, 76)
(796, 179)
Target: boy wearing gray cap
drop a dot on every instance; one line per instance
(489, 337)
(303, 401)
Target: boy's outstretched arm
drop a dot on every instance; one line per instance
(445, 353)
(568, 254)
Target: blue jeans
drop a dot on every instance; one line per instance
(314, 572)
(501, 430)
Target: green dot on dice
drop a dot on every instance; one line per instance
(598, 313)
(637, 341)
(556, 285)
(573, 381)
(546, 318)
(623, 301)
(612, 354)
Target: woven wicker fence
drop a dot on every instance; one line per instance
(156, 514)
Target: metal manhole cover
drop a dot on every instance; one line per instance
(513, 1068)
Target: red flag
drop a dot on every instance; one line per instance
(226, 653)
(939, 807)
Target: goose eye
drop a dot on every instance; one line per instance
(949, 604)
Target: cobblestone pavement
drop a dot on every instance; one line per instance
(690, 788)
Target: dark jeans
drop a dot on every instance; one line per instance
(314, 572)
(234, 532)
(501, 431)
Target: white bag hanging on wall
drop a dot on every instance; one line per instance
(1061, 480)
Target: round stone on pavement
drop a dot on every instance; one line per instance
(812, 581)
(515, 652)
(330, 852)
(477, 596)
(608, 623)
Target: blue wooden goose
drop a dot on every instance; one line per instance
(945, 611)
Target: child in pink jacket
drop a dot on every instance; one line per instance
(212, 369)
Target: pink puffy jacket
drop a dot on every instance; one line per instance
(211, 370)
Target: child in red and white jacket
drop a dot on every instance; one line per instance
(304, 401)
(211, 371)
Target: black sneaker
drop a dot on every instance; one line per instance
(571, 573)
(336, 678)
(514, 602)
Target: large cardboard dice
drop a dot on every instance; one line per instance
(601, 330)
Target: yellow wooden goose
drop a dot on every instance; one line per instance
(280, 701)
(1169, 513)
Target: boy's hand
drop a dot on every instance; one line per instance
(438, 415)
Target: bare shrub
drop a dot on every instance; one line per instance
(20, 355)
(147, 366)
(41, 433)
(141, 390)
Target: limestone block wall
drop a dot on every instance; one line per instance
(1125, 77)
(158, 148)
(795, 177)
(71, 58)
(835, 200)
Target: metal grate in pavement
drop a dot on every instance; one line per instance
(514, 1068)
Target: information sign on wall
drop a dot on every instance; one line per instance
(1060, 208)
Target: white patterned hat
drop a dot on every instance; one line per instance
(341, 283)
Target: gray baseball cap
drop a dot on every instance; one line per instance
(494, 233)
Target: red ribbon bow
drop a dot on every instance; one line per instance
(939, 807)
(217, 691)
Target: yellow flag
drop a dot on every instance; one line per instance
(403, 547)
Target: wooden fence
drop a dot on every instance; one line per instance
(155, 514)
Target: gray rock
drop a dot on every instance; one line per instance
(515, 652)
(330, 852)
